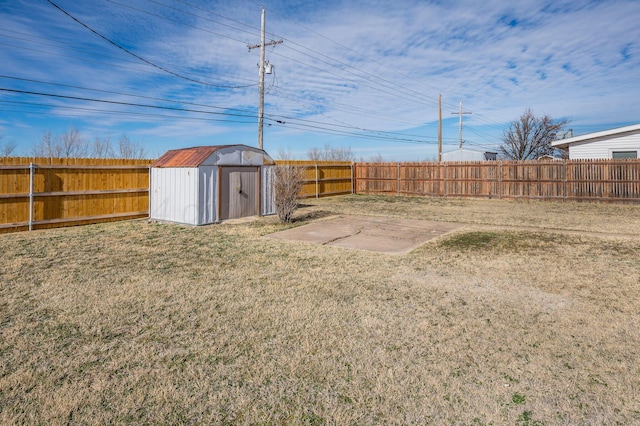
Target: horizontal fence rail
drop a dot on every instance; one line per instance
(324, 178)
(576, 180)
(38, 193)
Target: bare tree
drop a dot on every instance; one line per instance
(377, 158)
(285, 154)
(102, 148)
(330, 153)
(72, 145)
(314, 154)
(529, 137)
(288, 181)
(69, 144)
(46, 147)
(7, 147)
(130, 149)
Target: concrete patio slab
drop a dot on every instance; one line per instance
(379, 234)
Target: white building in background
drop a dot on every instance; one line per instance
(466, 154)
(622, 142)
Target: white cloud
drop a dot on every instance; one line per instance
(377, 65)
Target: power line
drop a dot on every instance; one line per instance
(356, 52)
(197, 16)
(413, 95)
(124, 49)
(118, 93)
(317, 126)
(81, 98)
(242, 112)
(67, 46)
(387, 84)
(320, 129)
(107, 111)
(368, 79)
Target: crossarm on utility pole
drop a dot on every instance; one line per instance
(461, 112)
(271, 43)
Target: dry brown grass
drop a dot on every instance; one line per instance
(136, 322)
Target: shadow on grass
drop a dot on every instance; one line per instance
(310, 215)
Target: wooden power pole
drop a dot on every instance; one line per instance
(461, 112)
(262, 45)
(439, 128)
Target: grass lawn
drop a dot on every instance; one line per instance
(528, 315)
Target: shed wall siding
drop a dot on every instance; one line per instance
(208, 195)
(268, 201)
(602, 148)
(174, 195)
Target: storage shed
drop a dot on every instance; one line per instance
(208, 184)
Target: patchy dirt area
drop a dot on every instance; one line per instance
(378, 234)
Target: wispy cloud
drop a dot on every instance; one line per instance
(343, 66)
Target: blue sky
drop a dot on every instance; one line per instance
(359, 74)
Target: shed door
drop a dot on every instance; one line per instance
(240, 192)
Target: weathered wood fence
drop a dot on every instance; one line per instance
(584, 180)
(37, 193)
(324, 178)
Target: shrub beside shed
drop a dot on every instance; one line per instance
(208, 184)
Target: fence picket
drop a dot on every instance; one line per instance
(64, 191)
(577, 180)
(78, 191)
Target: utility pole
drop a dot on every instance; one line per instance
(261, 74)
(439, 128)
(461, 112)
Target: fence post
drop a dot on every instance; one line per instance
(31, 173)
(317, 184)
(353, 178)
(398, 182)
(499, 180)
(149, 183)
(564, 180)
(444, 180)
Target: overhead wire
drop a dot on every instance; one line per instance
(121, 103)
(101, 59)
(114, 112)
(394, 70)
(391, 85)
(298, 123)
(113, 92)
(124, 49)
(275, 117)
(317, 125)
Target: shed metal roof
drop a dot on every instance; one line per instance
(196, 156)
(186, 157)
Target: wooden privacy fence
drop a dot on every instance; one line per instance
(577, 180)
(37, 193)
(324, 178)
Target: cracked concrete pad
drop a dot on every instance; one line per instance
(379, 234)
